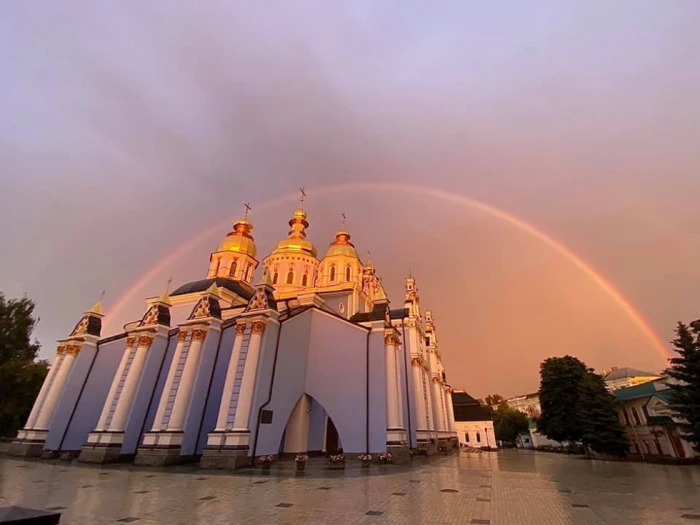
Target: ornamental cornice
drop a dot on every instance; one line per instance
(182, 336)
(73, 349)
(258, 327)
(391, 339)
(145, 341)
(130, 341)
(240, 328)
(437, 380)
(61, 349)
(198, 335)
(415, 361)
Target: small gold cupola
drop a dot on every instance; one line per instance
(234, 258)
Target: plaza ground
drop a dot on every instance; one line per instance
(509, 487)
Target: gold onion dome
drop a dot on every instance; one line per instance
(297, 241)
(239, 240)
(342, 245)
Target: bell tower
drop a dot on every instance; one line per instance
(234, 258)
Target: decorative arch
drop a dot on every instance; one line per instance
(309, 428)
(275, 276)
(234, 267)
(305, 279)
(347, 273)
(332, 273)
(290, 277)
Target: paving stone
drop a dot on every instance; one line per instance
(259, 482)
(483, 499)
(142, 491)
(480, 522)
(285, 505)
(373, 513)
(207, 498)
(201, 479)
(579, 505)
(694, 517)
(324, 488)
(398, 493)
(56, 508)
(128, 520)
(449, 490)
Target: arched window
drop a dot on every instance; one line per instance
(304, 280)
(478, 437)
(347, 273)
(332, 277)
(248, 272)
(290, 277)
(234, 266)
(466, 436)
(275, 278)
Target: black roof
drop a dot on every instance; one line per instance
(377, 314)
(467, 408)
(237, 287)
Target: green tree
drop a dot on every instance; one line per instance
(494, 400)
(21, 376)
(508, 423)
(560, 391)
(685, 369)
(576, 407)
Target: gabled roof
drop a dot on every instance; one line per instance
(467, 408)
(623, 373)
(644, 390)
(241, 289)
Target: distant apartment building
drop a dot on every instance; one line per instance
(528, 404)
(626, 377)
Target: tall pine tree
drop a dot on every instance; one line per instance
(602, 430)
(685, 369)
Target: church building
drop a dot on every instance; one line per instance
(309, 358)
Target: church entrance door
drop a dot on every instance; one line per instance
(331, 437)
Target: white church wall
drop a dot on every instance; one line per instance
(289, 382)
(216, 389)
(69, 429)
(377, 391)
(336, 376)
(195, 412)
(160, 385)
(144, 393)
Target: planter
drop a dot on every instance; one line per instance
(383, 461)
(301, 465)
(366, 464)
(338, 465)
(266, 466)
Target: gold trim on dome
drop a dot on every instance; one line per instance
(198, 335)
(72, 349)
(258, 327)
(145, 341)
(240, 328)
(182, 336)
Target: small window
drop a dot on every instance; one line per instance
(466, 437)
(275, 278)
(635, 415)
(347, 273)
(332, 277)
(249, 272)
(627, 416)
(478, 437)
(304, 280)
(290, 277)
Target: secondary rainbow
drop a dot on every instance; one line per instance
(579, 262)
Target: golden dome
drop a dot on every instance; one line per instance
(239, 240)
(297, 241)
(342, 245)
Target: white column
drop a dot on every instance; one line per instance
(399, 397)
(392, 399)
(163, 403)
(421, 414)
(115, 386)
(45, 389)
(225, 406)
(131, 383)
(189, 374)
(46, 414)
(437, 403)
(245, 395)
(450, 411)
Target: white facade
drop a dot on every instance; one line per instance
(476, 434)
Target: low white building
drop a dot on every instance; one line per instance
(527, 404)
(473, 424)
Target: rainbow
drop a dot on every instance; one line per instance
(523, 226)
